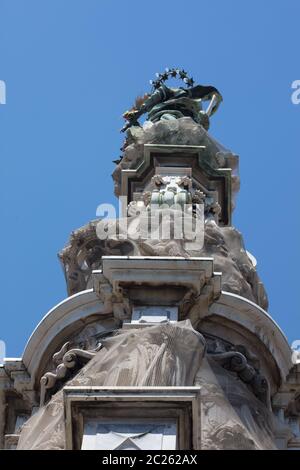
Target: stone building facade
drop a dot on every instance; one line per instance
(164, 340)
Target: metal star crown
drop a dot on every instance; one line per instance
(172, 73)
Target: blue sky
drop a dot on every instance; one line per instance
(72, 67)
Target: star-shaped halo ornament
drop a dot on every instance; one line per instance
(131, 116)
(171, 73)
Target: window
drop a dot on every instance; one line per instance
(127, 418)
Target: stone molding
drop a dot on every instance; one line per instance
(138, 399)
(86, 303)
(63, 316)
(257, 321)
(218, 179)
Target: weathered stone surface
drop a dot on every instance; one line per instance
(233, 418)
(183, 131)
(239, 275)
(224, 244)
(202, 322)
(165, 355)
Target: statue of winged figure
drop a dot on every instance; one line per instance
(173, 103)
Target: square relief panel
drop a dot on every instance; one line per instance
(133, 434)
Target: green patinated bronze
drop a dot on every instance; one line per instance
(173, 103)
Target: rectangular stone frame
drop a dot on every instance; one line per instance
(181, 403)
(152, 152)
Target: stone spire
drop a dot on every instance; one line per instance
(164, 303)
